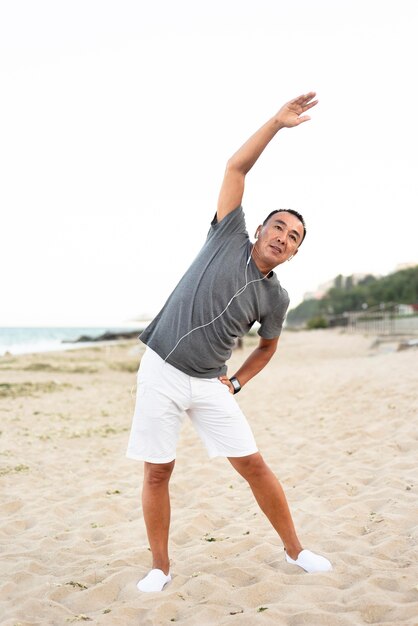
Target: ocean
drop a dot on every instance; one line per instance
(39, 339)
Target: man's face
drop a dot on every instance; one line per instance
(278, 240)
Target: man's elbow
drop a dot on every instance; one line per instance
(272, 352)
(269, 351)
(268, 347)
(235, 165)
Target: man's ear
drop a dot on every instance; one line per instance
(294, 254)
(257, 232)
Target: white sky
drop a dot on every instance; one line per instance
(117, 119)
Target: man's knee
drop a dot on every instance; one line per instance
(156, 474)
(250, 467)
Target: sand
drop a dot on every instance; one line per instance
(334, 417)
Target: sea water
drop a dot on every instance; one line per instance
(39, 339)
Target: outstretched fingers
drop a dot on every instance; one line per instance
(292, 113)
(304, 98)
(305, 101)
(309, 105)
(302, 104)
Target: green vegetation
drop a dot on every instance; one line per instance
(16, 469)
(317, 322)
(14, 390)
(400, 287)
(72, 369)
(102, 431)
(76, 584)
(303, 312)
(125, 366)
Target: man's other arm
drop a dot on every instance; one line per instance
(254, 363)
(238, 166)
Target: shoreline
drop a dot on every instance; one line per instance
(66, 347)
(20, 340)
(385, 343)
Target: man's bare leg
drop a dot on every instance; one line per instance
(270, 497)
(156, 509)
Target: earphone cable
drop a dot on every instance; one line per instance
(236, 294)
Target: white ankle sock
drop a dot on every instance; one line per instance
(310, 562)
(155, 580)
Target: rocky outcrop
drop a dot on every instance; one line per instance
(107, 336)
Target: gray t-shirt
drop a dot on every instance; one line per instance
(215, 275)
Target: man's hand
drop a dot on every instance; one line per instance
(255, 362)
(238, 166)
(225, 380)
(290, 113)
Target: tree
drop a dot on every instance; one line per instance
(400, 287)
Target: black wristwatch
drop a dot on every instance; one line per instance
(236, 384)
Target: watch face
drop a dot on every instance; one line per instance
(235, 384)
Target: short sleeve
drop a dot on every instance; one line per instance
(232, 224)
(271, 324)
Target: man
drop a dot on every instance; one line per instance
(228, 287)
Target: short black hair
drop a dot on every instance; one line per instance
(293, 212)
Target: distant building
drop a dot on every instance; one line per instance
(320, 291)
(404, 266)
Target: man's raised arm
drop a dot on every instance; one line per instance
(232, 189)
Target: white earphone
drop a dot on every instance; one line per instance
(236, 294)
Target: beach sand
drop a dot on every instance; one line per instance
(334, 417)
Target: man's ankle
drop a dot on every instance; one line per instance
(293, 551)
(164, 566)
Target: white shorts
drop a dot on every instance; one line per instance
(165, 395)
